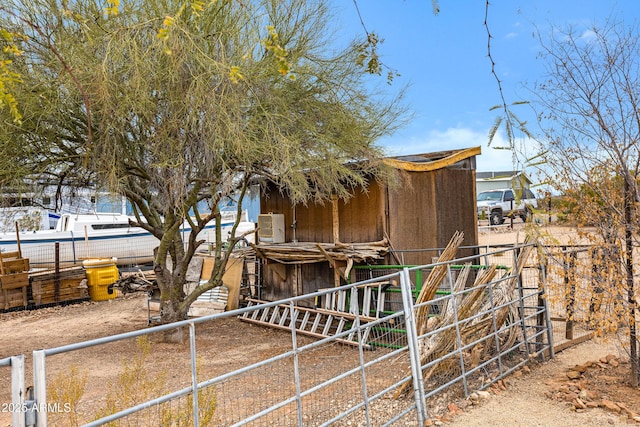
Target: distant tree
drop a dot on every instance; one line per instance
(589, 106)
(174, 104)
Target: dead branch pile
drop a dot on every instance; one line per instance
(134, 283)
(461, 309)
(312, 252)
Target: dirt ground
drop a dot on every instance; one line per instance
(223, 344)
(545, 396)
(539, 396)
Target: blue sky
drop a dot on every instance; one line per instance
(444, 60)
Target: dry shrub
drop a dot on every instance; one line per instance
(183, 415)
(65, 392)
(136, 385)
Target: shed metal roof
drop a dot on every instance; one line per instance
(431, 161)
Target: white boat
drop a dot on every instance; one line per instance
(101, 235)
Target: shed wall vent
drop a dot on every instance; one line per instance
(271, 228)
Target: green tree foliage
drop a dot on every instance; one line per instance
(9, 78)
(47, 143)
(178, 103)
(589, 103)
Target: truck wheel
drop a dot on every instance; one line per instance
(526, 213)
(495, 218)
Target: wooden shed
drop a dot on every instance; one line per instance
(435, 200)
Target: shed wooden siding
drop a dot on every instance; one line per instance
(423, 216)
(300, 280)
(423, 212)
(412, 219)
(361, 219)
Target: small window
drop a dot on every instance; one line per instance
(508, 196)
(108, 226)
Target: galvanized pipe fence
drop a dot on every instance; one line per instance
(352, 364)
(17, 405)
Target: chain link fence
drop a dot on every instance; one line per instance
(369, 353)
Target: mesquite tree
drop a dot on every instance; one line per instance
(189, 102)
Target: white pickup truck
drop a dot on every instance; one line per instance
(496, 205)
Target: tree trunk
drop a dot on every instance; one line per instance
(171, 284)
(628, 200)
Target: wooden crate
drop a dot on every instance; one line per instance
(16, 265)
(69, 285)
(14, 280)
(13, 290)
(13, 298)
(13, 271)
(12, 262)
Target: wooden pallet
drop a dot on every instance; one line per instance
(67, 284)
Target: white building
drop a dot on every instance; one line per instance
(498, 180)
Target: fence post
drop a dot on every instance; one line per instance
(355, 309)
(545, 317)
(194, 374)
(511, 217)
(570, 282)
(414, 349)
(599, 260)
(296, 360)
(40, 387)
(17, 390)
(521, 297)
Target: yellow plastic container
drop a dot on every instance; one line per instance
(100, 274)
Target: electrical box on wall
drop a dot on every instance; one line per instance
(271, 228)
